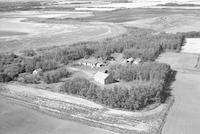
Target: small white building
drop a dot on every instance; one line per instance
(37, 72)
(130, 60)
(103, 78)
(99, 64)
(137, 61)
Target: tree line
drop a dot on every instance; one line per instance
(148, 71)
(135, 98)
(13, 67)
(137, 43)
(155, 80)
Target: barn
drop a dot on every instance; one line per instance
(103, 78)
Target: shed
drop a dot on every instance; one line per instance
(99, 64)
(103, 78)
(137, 61)
(37, 72)
(130, 60)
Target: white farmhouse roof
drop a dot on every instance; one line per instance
(130, 59)
(101, 75)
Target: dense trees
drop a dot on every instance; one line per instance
(137, 97)
(192, 34)
(29, 53)
(148, 71)
(55, 75)
(43, 62)
(155, 78)
(28, 78)
(11, 66)
(144, 54)
(138, 43)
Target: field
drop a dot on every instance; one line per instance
(169, 23)
(18, 119)
(192, 46)
(73, 108)
(184, 115)
(18, 34)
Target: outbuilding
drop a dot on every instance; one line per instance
(103, 78)
(37, 72)
(137, 61)
(130, 60)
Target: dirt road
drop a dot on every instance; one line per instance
(184, 115)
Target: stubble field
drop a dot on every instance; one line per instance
(184, 115)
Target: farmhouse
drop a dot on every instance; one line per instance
(103, 78)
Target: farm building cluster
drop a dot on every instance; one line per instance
(99, 67)
(100, 63)
(92, 65)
